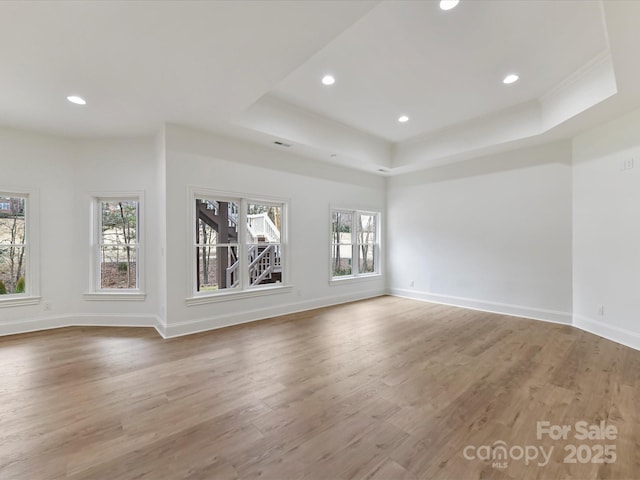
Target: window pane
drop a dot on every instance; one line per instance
(341, 260)
(341, 227)
(206, 234)
(367, 228)
(218, 268)
(220, 217)
(12, 221)
(118, 266)
(12, 207)
(264, 223)
(264, 264)
(119, 222)
(12, 269)
(366, 258)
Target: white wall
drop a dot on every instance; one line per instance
(204, 160)
(549, 232)
(492, 233)
(115, 166)
(65, 174)
(606, 224)
(43, 164)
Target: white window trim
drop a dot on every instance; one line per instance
(244, 291)
(96, 293)
(32, 249)
(356, 276)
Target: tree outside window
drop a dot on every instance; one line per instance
(342, 248)
(118, 244)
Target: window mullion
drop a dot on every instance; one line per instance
(355, 260)
(243, 251)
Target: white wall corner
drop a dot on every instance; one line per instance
(160, 326)
(610, 332)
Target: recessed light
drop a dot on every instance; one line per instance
(448, 4)
(510, 79)
(328, 80)
(77, 100)
(403, 119)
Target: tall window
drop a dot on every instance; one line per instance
(238, 244)
(118, 244)
(217, 256)
(13, 245)
(264, 252)
(355, 243)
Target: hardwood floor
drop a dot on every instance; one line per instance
(386, 388)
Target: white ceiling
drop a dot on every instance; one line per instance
(442, 68)
(252, 69)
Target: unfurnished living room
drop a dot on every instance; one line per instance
(319, 239)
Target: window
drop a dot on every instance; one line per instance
(355, 243)
(217, 255)
(14, 257)
(117, 256)
(238, 245)
(264, 247)
(19, 280)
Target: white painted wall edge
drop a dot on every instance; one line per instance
(552, 316)
(615, 334)
(82, 320)
(227, 320)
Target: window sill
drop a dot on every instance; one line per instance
(350, 279)
(115, 296)
(18, 301)
(225, 296)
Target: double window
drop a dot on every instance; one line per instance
(239, 244)
(355, 243)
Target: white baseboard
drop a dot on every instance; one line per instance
(220, 321)
(175, 329)
(93, 320)
(161, 327)
(553, 316)
(610, 332)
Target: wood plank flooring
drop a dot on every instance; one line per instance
(386, 388)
